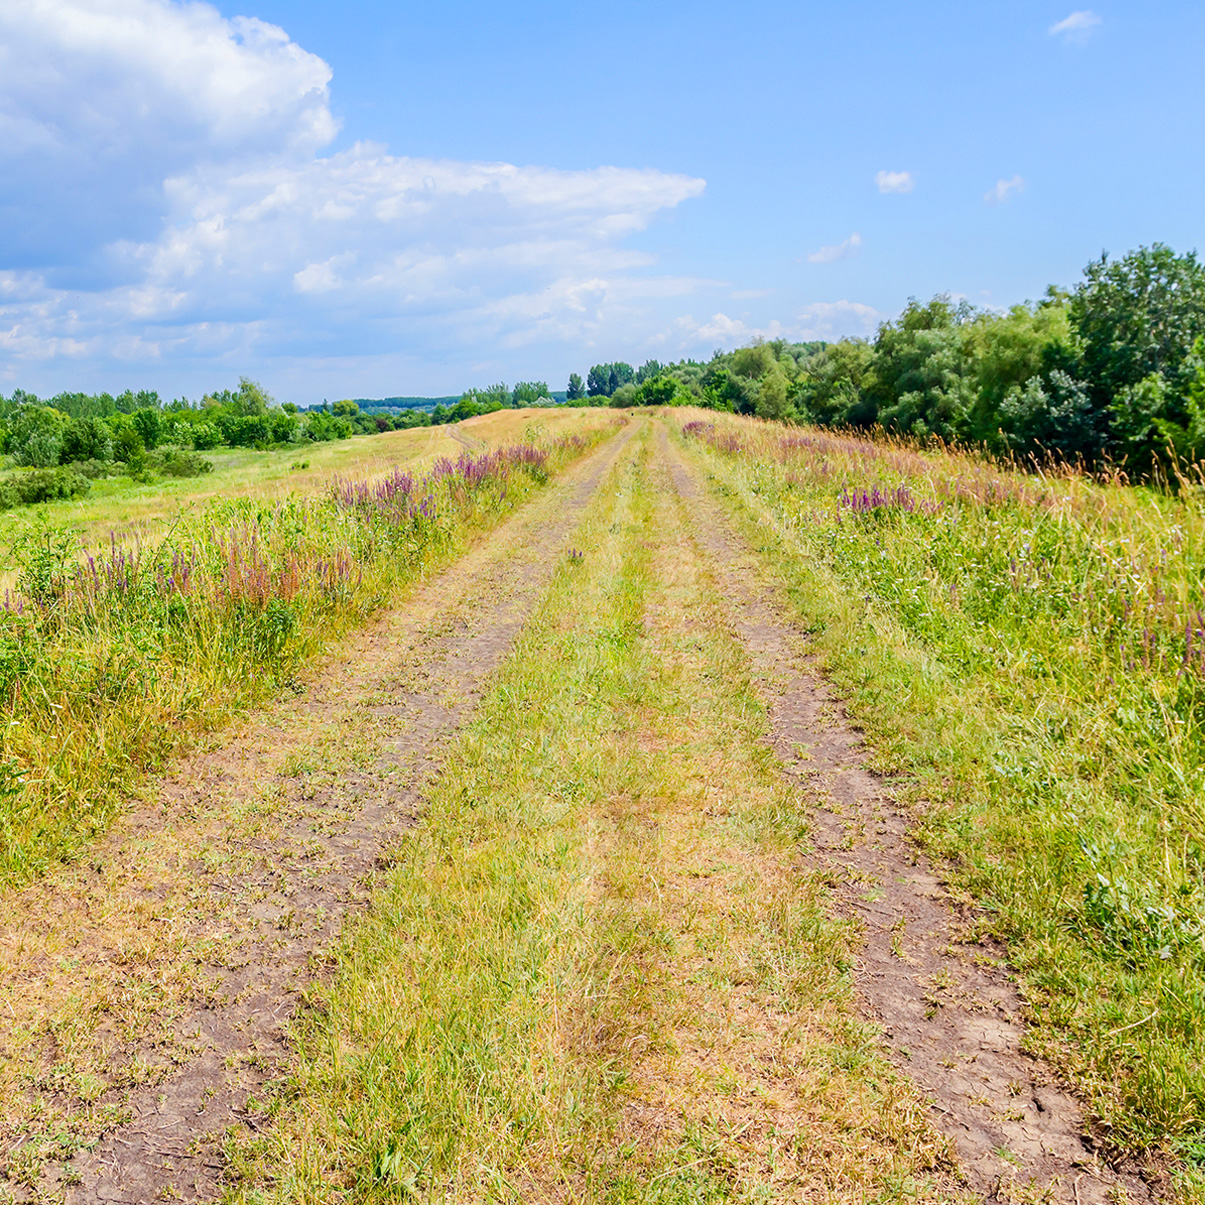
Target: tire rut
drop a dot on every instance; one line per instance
(952, 1017)
(410, 688)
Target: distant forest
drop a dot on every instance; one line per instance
(1112, 369)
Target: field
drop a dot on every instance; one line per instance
(131, 510)
(663, 808)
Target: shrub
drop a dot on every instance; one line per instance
(36, 437)
(41, 485)
(177, 462)
(205, 436)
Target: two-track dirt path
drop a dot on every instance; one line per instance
(951, 1015)
(154, 983)
(224, 890)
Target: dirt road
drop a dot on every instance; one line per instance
(226, 889)
(150, 989)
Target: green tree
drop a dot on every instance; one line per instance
(252, 398)
(1138, 315)
(662, 390)
(86, 439)
(920, 381)
(772, 396)
(527, 393)
(148, 422)
(127, 444)
(830, 389)
(36, 436)
(577, 388)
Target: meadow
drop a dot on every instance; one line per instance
(116, 652)
(1027, 650)
(131, 510)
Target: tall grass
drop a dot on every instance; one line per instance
(110, 662)
(1032, 647)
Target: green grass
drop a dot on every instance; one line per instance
(1018, 645)
(109, 667)
(594, 972)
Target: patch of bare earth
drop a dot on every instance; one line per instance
(950, 1012)
(148, 990)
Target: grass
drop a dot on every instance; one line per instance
(1030, 649)
(596, 972)
(142, 510)
(110, 666)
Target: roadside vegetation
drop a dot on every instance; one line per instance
(61, 446)
(133, 510)
(110, 663)
(1030, 650)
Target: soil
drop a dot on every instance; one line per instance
(951, 1014)
(402, 688)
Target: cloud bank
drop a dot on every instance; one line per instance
(164, 198)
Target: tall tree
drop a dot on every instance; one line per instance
(1138, 315)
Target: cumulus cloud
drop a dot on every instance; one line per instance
(1002, 190)
(164, 198)
(1077, 26)
(844, 250)
(894, 181)
(820, 320)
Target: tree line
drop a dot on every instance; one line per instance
(95, 433)
(1112, 369)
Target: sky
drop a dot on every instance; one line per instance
(377, 198)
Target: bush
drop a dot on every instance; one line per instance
(41, 485)
(36, 437)
(324, 427)
(205, 436)
(92, 469)
(86, 439)
(176, 462)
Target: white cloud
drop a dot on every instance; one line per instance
(837, 319)
(894, 181)
(820, 320)
(1077, 26)
(844, 250)
(161, 165)
(1003, 189)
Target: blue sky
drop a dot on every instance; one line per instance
(373, 198)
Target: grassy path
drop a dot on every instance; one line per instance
(597, 971)
(613, 953)
(949, 1007)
